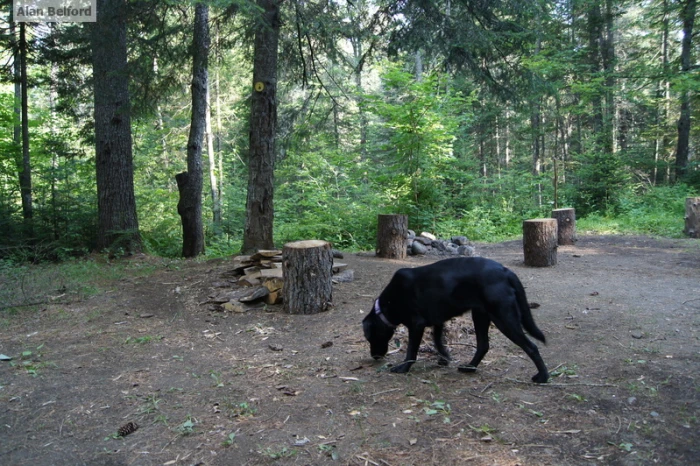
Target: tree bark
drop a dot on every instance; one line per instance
(540, 242)
(116, 204)
(190, 182)
(258, 233)
(566, 226)
(682, 148)
(307, 267)
(213, 181)
(25, 174)
(392, 231)
(692, 217)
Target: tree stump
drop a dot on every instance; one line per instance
(392, 231)
(566, 226)
(307, 267)
(692, 217)
(540, 242)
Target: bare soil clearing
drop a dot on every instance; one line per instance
(621, 316)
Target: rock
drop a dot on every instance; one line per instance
(452, 249)
(439, 245)
(460, 240)
(632, 400)
(344, 276)
(337, 253)
(418, 248)
(468, 251)
(423, 240)
(638, 334)
(430, 236)
(411, 234)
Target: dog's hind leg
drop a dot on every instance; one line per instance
(415, 336)
(514, 331)
(443, 355)
(481, 328)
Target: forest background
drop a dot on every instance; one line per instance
(469, 116)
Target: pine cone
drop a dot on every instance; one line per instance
(126, 429)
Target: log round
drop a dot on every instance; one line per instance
(392, 232)
(566, 226)
(307, 267)
(540, 242)
(692, 217)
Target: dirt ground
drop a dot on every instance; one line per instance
(621, 316)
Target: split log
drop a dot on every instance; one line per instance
(307, 268)
(540, 242)
(692, 217)
(566, 226)
(392, 231)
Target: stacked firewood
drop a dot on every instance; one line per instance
(262, 270)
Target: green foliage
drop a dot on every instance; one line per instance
(418, 121)
(324, 196)
(452, 149)
(654, 211)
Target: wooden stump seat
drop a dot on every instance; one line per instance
(392, 233)
(566, 226)
(540, 242)
(307, 267)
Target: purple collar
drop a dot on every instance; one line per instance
(380, 315)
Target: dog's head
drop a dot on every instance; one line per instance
(378, 332)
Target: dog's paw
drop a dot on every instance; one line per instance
(401, 368)
(467, 368)
(442, 361)
(540, 378)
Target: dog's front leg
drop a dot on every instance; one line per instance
(415, 336)
(443, 355)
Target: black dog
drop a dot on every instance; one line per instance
(429, 296)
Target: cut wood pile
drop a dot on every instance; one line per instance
(427, 243)
(260, 276)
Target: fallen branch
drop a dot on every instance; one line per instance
(385, 391)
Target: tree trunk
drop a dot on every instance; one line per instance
(307, 267)
(607, 53)
(258, 232)
(25, 174)
(692, 217)
(214, 183)
(662, 148)
(682, 148)
(566, 226)
(392, 231)
(190, 182)
(540, 242)
(116, 204)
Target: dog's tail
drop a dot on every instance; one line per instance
(525, 313)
